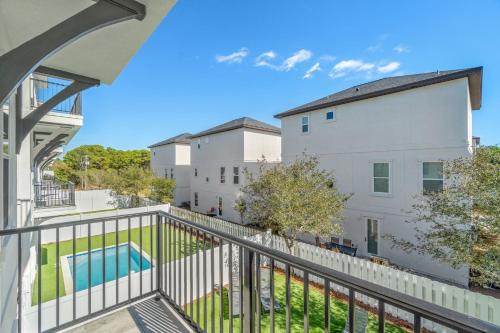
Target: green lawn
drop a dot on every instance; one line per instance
(66, 248)
(338, 311)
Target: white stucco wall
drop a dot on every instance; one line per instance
(176, 157)
(405, 129)
(237, 148)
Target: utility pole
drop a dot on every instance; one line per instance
(84, 164)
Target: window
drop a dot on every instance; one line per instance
(222, 175)
(207, 179)
(236, 175)
(381, 178)
(330, 115)
(196, 198)
(305, 124)
(196, 172)
(154, 153)
(199, 143)
(166, 173)
(432, 177)
(171, 173)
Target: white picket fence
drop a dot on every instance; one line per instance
(234, 229)
(471, 303)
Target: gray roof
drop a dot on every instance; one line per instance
(396, 84)
(244, 122)
(182, 139)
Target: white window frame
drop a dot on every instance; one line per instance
(196, 172)
(236, 175)
(308, 116)
(422, 174)
(222, 174)
(372, 179)
(171, 173)
(196, 199)
(334, 116)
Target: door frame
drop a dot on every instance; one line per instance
(379, 222)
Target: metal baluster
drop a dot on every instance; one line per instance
(103, 265)
(151, 252)
(230, 275)
(20, 283)
(175, 261)
(169, 260)
(221, 286)
(74, 270)
(381, 316)
(166, 242)
(89, 271)
(204, 282)
(240, 273)
(257, 287)
(417, 323)
(116, 260)
(179, 268)
(271, 292)
(140, 255)
(327, 306)
(57, 276)
(191, 272)
(248, 292)
(185, 270)
(351, 310)
(129, 268)
(212, 278)
(287, 297)
(306, 301)
(198, 277)
(159, 259)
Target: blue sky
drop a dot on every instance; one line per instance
(213, 61)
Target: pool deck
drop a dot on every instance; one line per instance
(147, 315)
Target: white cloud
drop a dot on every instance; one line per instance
(344, 67)
(263, 60)
(288, 64)
(390, 67)
(298, 57)
(327, 58)
(312, 70)
(401, 48)
(374, 48)
(235, 57)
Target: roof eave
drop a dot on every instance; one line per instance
(202, 134)
(475, 87)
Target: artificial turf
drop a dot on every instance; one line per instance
(338, 312)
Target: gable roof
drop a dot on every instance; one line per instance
(396, 84)
(244, 122)
(182, 139)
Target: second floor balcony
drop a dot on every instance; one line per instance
(43, 88)
(171, 274)
(50, 194)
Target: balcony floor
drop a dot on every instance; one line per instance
(145, 316)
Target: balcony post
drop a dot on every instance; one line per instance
(158, 255)
(248, 290)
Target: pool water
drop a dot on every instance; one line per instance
(96, 258)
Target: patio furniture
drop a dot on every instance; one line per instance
(349, 250)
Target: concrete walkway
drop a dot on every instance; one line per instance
(149, 316)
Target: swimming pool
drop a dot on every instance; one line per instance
(96, 258)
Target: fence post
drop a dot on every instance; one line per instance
(248, 289)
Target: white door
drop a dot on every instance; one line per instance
(372, 236)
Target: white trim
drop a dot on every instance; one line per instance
(421, 173)
(308, 116)
(389, 194)
(334, 111)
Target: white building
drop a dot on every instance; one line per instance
(171, 158)
(219, 157)
(384, 141)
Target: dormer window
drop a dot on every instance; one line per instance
(330, 116)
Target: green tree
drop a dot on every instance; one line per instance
(162, 190)
(134, 182)
(460, 225)
(291, 199)
(62, 172)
